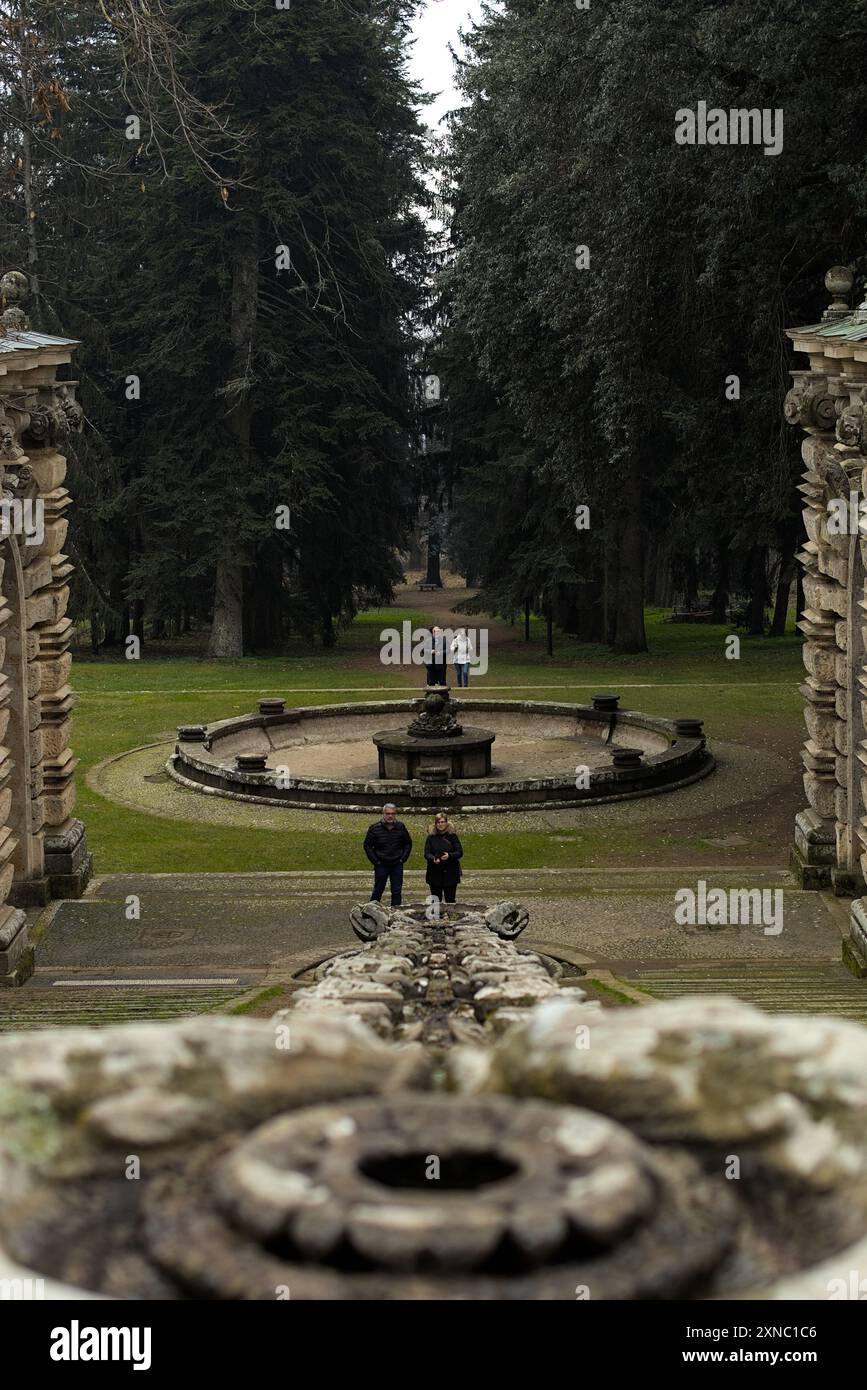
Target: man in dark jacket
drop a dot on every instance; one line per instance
(388, 845)
(436, 651)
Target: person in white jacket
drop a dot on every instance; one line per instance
(462, 651)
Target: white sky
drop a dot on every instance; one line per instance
(436, 26)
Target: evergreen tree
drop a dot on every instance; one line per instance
(244, 273)
(614, 360)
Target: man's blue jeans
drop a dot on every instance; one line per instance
(382, 873)
(463, 670)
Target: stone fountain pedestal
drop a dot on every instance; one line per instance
(434, 746)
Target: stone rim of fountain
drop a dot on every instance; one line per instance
(684, 761)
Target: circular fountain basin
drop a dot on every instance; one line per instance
(542, 754)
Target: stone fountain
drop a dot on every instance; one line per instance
(435, 746)
(318, 757)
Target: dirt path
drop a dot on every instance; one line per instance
(438, 609)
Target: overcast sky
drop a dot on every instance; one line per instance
(435, 28)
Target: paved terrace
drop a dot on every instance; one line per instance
(238, 941)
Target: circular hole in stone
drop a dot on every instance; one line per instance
(456, 1172)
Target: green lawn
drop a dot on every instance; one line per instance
(123, 704)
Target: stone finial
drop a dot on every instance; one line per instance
(838, 282)
(14, 289)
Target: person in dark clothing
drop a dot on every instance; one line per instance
(443, 852)
(436, 667)
(388, 845)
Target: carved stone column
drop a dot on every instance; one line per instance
(811, 404)
(43, 850)
(828, 401)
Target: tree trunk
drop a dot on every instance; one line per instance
(578, 610)
(328, 636)
(227, 629)
(789, 537)
(28, 39)
(781, 602)
(32, 247)
(651, 571)
(758, 591)
(549, 623)
(228, 624)
(687, 571)
(800, 601)
(720, 601)
(526, 620)
(569, 613)
(629, 634)
(263, 601)
(662, 594)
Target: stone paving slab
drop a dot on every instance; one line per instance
(228, 921)
(178, 930)
(331, 883)
(262, 929)
(641, 926)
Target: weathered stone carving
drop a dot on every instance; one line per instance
(436, 718)
(439, 981)
(50, 424)
(14, 289)
(507, 919)
(10, 449)
(851, 424)
(809, 403)
(42, 847)
(827, 835)
(303, 1157)
(550, 1182)
(71, 412)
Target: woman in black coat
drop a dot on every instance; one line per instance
(443, 852)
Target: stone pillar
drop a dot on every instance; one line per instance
(828, 401)
(43, 850)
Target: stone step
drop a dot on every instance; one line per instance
(103, 1005)
(492, 884)
(820, 989)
